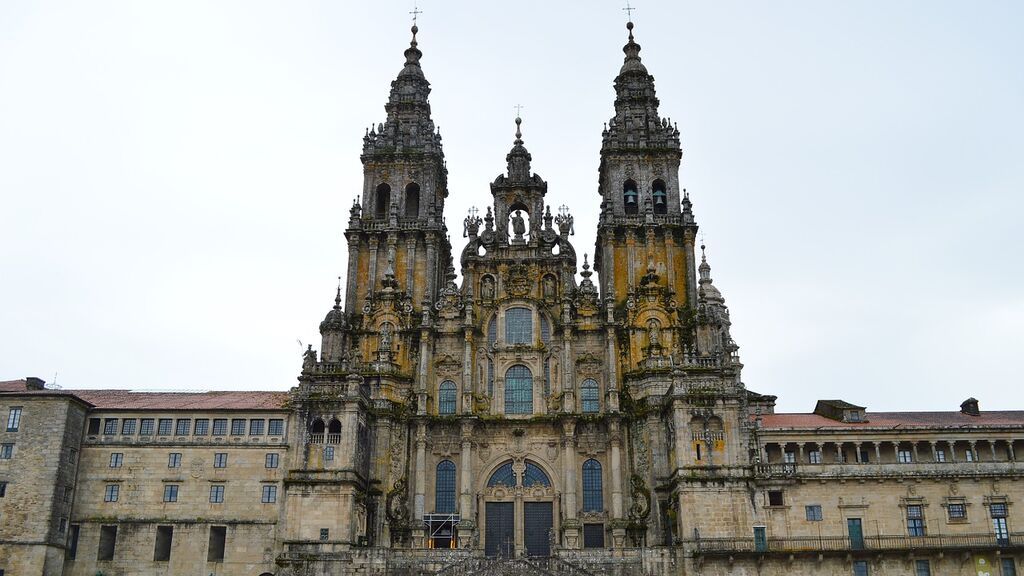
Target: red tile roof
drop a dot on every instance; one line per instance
(228, 400)
(12, 386)
(896, 419)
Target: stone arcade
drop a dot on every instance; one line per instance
(519, 423)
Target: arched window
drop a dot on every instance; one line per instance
(490, 377)
(545, 330)
(630, 197)
(492, 332)
(533, 476)
(593, 490)
(318, 427)
(446, 398)
(444, 488)
(518, 390)
(381, 201)
(519, 326)
(590, 396)
(660, 197)
(412, 200)
(503, 476)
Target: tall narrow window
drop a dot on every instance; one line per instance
(922, 568)
(215, 551)
(519, 326)
(1009, 567)
(492, 332)
(589, 396)
(446, 398)
(412, 200)
(545, 330)
(630, 198)
(915, 520)
(490, 378)
(444, 488)
(547, 377)
(111, 492)
(381, 201)
(593, 489)
(997, 510)
(660, 197)
(860, 568)
(162, 548)
(73, 541)
(518, 390)
(14, 419)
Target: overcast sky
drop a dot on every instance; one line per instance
(175, 177)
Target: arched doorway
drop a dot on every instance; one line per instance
(519, 510)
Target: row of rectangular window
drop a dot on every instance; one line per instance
(220, 460)
(956, 511)
(161, 547)
(184, 426)
(112, 493)
(902, 456)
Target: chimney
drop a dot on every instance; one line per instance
(970, 407)
(33, 383)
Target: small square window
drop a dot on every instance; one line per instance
(217, 494)
(220, 426)
(171, 493)
(957, 510)
(940, 455)
(969, 455)
(905, 456)
(997, 509)
(237, 426)
(174, 460)
(128, 426)
(256, 427)
(6, 451)
(111, 493)
(775, 498)
(110, 426)
(276, 427)
(116, 458)
(220, 460)
(202, 427)
(814, 457)
(813, 512)
(789, 457)
(324, 534)
(269, 494)
(272, 460)
(164, 427)
(146, 427)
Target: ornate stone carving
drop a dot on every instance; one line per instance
(517, 280)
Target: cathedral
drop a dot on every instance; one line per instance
(520, 421)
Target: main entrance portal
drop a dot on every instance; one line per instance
(518, 511)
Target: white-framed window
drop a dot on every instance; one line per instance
(904, 456)
(111, 492)
(272, 460)
(171, 493)
(217, 494)
(174, 460)
(220, 460)
(14, 419)
(116, 458)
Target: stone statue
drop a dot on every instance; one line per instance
(518, 225)
(308, 358)
(385, 336)
(549, 287)
(641, 507)
(487, 288)
(654, 333)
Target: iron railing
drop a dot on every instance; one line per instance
(880, 543)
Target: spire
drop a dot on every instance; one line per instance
(412, 56)
(518, 158)
(707, 290)
(337, 297)
(335, 319)
(632, 50)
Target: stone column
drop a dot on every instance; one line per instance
(691, 268)
(974, 450)
(800, 452)
(992, 444)
(466, 524)
(571, 527)
(856, 452)
(1009, 451)
(353, 271)
(613, 380)
(410, 268)
(878, 452)
(372, 271)
(467, 372)
(618, 531)
(935, 455)
(421, 473)
(913, 448)
(431, 293)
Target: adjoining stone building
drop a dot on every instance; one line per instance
(519, 421)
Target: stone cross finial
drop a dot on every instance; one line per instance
(415, 12)
(629, 11)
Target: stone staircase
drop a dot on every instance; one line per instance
(546, 566)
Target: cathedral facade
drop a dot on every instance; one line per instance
(520, 420)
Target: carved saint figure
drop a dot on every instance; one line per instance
(518, 225)
(549, 287)
(654, 333)
(487, 288)
(385, 336)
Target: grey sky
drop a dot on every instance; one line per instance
(175, 177)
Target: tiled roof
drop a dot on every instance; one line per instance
(896, 419)
(228, 400)
(12, 385)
